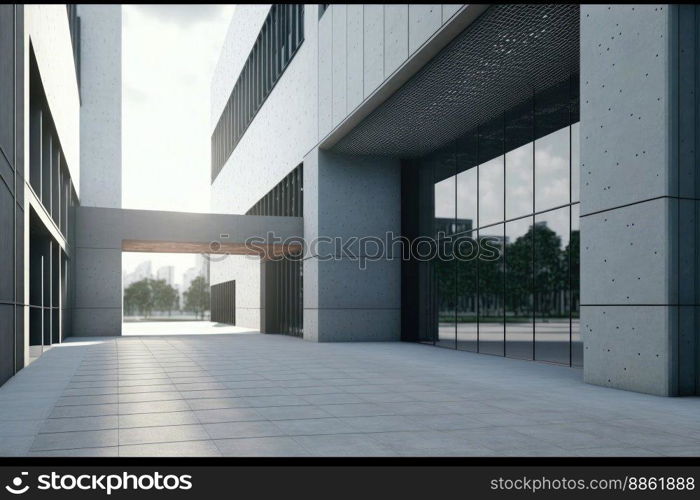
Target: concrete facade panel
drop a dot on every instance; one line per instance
(373, 47)
(423, 21)
(98, 278)
(449, 10)
(628, 347)
(624, 94)
(358, 325)
(395, 37)
(101, 105)
(97, 322)
(628, 260)
(355, 49)
(325, 74)
(343, 284)
(340, 62)
(358, 196)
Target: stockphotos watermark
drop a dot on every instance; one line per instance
(106, 483)
(461, 247)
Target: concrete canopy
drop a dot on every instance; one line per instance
(499, 61)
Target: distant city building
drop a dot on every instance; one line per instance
(142, 271)
(167, 274)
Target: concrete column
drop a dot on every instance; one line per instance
(98, 274)
(101, 105)
(638, 197)
(349, 197)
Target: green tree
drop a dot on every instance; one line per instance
(165, 297)
(139, 297)
(197, 296)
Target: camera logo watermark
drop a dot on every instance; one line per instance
(16, 488)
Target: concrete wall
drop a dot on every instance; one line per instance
(350, 197)
(101, 110)
(46, 29)
(638, 198)
(361, 47)
(245, 269)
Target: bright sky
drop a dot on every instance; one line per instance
(168, 56)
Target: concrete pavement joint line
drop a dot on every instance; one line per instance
(195, 415)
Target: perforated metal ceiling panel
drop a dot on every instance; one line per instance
(507, 54)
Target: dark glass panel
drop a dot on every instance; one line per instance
(551, 238)
(466, 250)
(519, 161)
(491, 293)
(443, 166)
(444, 170)
(552, 158)
(491, 173)
(519, 296)
(467, 187)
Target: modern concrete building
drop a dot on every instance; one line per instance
(554, 143)
(62, 227)
(61, 82)
(562, 135)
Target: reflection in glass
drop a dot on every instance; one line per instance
(552, 170)
(519, 181)
(519, 157)
(491, 296)
(467, 188)
(491, 173)
(551, 240)
(466, 247)
(575, 163)
(525, 302)
(491, 192)
(574, 247)
(518, 258)
(466, 200)
(445, 280)
(444, 166)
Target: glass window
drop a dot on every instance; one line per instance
(444, 172)
(552, 170)
(519, 312)
(507, 280)
(491, 293)
(551, 239)
(467, 183)
(443, 164)
(491, 173)
(466, 249)
(519, 158)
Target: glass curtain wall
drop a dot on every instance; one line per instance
(510, 188)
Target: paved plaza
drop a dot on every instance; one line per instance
(271, 395)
